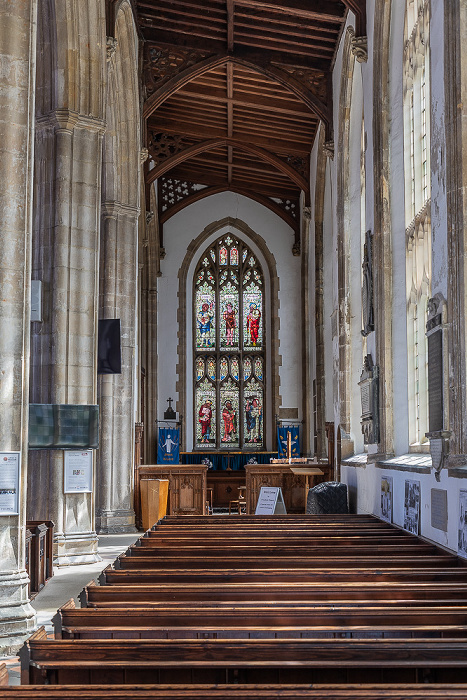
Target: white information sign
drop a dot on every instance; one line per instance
(9, 482)
(78, 471)
(270, 501)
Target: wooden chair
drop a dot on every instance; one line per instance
(240, 503)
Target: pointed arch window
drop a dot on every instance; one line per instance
(417, 209)
(229, 348)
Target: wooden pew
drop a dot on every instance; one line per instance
(113, 577)
(243, 661)
(238, 691)
(353, 601)
(125, 624)
(181, 561)
(243, 620)
(311, 592)
(258, 550)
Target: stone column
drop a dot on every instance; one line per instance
(65, 343)
(117, 392)
(150, 259)
(17, 58)
(307, 320)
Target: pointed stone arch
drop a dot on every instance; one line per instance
(208, 191)
(195, 248)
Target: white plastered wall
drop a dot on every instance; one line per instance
(179, 232)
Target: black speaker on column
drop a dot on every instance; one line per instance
(109, 354)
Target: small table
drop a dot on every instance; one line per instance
(307, 472)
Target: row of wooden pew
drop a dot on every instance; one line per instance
(286, 607)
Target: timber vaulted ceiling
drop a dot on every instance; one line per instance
(234, 91)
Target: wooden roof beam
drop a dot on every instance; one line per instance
(251, 60)
(251, 102)
(301, 149)
(261, 153)
(230, 24)
(217, 48)
(358, 7)
(321, 10)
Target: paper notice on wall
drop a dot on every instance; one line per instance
(78, 471)
(9, 482)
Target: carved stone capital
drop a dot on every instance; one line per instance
(359, 48)
(328, 149)
(307, 213)
(296, 249)
(149, 217)
(111, 47)
(143, 155)
(435, 307)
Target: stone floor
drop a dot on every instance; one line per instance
(67, 582)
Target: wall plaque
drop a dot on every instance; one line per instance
(439, 509)
(369, 394)
(435, 380)
(367, 286)
(434, 331)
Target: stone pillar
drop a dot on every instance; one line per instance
(150, 258)
(117, 392)
(17, 58)
(307, 391)
(65, 343)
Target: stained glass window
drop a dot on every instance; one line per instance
(199, 368)
(212, 369)
(228, 337)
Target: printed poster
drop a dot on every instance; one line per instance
(412, 507)
(386, 498)
(462, 544)
(78, 471)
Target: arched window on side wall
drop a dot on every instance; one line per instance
(417, 209)
(229, 348)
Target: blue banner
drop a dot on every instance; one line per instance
(282, 441)
(168, 446)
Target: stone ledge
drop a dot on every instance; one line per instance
(359, 460)
(420, 463)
